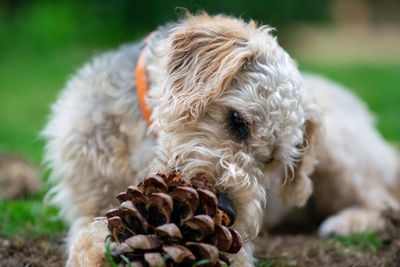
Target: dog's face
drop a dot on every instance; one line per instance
(232, 105)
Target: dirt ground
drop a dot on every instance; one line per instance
(44, 251)
(276, 250)
(306, 250)
(309, 250)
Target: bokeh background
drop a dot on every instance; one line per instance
(43, 42)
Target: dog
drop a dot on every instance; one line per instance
(226, 100)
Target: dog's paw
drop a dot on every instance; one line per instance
(351, 220)
(88, 249)
(244, 258)
(297, 192)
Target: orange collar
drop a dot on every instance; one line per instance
(142, 84)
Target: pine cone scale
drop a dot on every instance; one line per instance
(154, 259)
(154, 184)
(186, 201)
(204, 251)
(198, 227)
(179, 253)
(132, 218)
(144, 242)
(159, 208)
(222, 238)
(169, 232)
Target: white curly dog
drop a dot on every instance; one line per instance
(226, 100)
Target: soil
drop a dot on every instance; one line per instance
(309, 250)
(43, 251)
(305, 250)
(276, 249)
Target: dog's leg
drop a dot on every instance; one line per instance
(92, 160)
(96, 140)
(244, 258)
(352, 191)
(351, 220)
(88, 249)
(76, 227)
(356, 167)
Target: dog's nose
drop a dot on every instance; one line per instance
(226, 204)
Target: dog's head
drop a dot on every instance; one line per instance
(232, 105)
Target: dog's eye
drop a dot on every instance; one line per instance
(238, 126)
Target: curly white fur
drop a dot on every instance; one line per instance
(199, 69)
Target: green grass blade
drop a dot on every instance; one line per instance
(200, 262)
(126, 260)
(109, 259)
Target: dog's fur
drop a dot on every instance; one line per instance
(302, 134)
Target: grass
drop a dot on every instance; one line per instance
(29, 83)
(356, 244)
(273, 262)
(362, 242)
(31, 80)
(109, 259)
(29, 218)
(377, 84)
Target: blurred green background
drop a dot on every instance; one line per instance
(43, 42)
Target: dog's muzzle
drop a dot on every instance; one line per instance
(226, 204)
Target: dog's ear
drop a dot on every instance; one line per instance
(297, 191)
(204, 55)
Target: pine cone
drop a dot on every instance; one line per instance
(168, 221)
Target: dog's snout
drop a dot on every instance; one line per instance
(226, 204)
